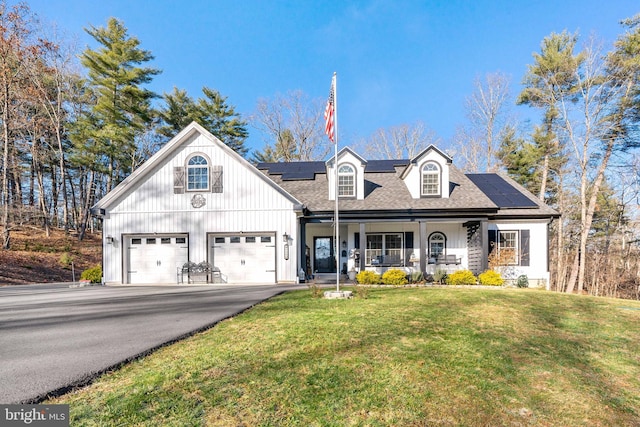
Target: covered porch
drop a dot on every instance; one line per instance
(414, 244)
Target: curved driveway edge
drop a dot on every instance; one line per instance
(54, 338)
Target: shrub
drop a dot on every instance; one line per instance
(368, 278)
(93, 274)
(394, 277)
(523, 281)
(417, 277)
(440, 276)
(461, 277)
(490, 278)
(361, 291)
(316, 291)
(65, 260)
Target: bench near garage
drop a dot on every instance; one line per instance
(202, 272)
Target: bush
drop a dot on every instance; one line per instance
(316, 291)
(461, 277)
(491, 278)
(368, 278)
(394, 277)
(440, 276)
(361, 291)
(65, 260)
(417, 277)
(523, 281)
(93, 274)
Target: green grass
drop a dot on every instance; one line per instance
(402, 357)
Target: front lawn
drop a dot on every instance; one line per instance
(401, 357)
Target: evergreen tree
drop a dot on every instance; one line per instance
(122, 109)
(548, 80)
(212, 112)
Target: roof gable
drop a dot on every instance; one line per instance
(166, 153)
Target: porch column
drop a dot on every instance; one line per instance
(484, 243)
(363, 245)
(302, 246)
(423, 245)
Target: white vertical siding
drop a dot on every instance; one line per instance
(248, 203)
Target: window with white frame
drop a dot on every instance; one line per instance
(508, 247)
(384, 249)
(197, 174)
(346, 181)
(437, 245)
(430, 179)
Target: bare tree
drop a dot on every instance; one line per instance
(398, 142)
(18, 51)
(488, 118)
(291, 119)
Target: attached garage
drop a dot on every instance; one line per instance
(244, 258)
(155, 258)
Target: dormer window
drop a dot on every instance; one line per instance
(197, 174)
(346, 181)
(430, 179)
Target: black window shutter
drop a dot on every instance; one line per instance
(178, 180)
(408, 245)
(493, 241)
(356, 243)
(524, 248)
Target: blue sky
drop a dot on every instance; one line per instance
(398, 62)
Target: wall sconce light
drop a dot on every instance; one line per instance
(344, 244)
(285, 237)
(109, 240)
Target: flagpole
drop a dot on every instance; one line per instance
(335, 165)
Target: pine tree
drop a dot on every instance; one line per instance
(212, 112)
(122, 109)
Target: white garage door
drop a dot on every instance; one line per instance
(246, 258)
(155, 259)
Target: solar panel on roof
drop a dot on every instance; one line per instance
(503, 194)
(294, 170)
(384, 165)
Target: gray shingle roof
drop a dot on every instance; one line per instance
(386, 191)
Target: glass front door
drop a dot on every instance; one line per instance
(323, 256)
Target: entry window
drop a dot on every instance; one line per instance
(385, 249)
(197, 174)
(430, 179)
(250, 239)
(151, 241)
(234, 239)
(346, 181)
(165, 240)
(136, 241)
(437, 245)
(219, 239)
(265, 239)
(181, 240)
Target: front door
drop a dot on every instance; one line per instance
(323, 256)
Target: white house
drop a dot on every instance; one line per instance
(196, 200)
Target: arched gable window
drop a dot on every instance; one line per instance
(431, 179)
(197, 174)
(437, 245)
(346, 181)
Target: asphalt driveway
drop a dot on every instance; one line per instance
(53, 337)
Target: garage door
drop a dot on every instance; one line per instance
(246, 258)
(155, 259)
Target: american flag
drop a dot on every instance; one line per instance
(329, 112)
